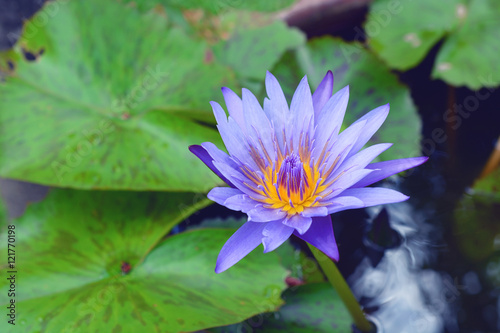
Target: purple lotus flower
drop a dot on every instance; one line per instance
(289, 168)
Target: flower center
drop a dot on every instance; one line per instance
(291, 176)
(291, 184)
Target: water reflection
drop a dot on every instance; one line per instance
(407, 296)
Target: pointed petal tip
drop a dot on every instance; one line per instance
(220, 266)
(334, 255)
(423, 160)
(193, 148)
(219, 269)
(397, 197)
(386, 107)
(417, 161)
(200, 152)
(228, 91)
(239, 245)
(329, 77)
(321, 236)
(382, 110)
(270, 76)
(344, 90)
(215, 105)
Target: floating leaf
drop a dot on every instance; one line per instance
(252, 52)
(302, 268)
(118, 110)
(227, 223)
(477, 225)
(477, 218)
(402, 38)
(469, 54)
(490, 184)
(469, 29)
(371, 84)
(217, 6)
(313, 307)
(88, 262)
(108, 110)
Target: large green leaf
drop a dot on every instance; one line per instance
(402, 37)
(109, 104)
(117, 111)
(470, 54)
(87, 262)
(489, 185)
(477, 218)
(215, 6)
(258, 49)
(371, 84)
(314, 307)
(469, 29)
(477, 225)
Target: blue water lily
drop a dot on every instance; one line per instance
(289, 168)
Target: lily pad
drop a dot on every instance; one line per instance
(477, 225)
(469, 54)
(314, 307)
(217, 6)
(469, 30)
(477, 218)
(303, 269)
(489, 185)
(371, 84)
(401, 38)
(110, 101)
(92, 110)
(89, 262)
(258, 49)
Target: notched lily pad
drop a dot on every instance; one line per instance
(371, 84)
(90, 262)
(469, 30)
(401, 38)
(469, 54)
(214, 7)
(90, 109)
(252, 52)
(108, 110)
(314, 307)
(477, 219)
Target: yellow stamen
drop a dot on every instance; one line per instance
(293, 192)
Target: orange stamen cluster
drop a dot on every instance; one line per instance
(292, 182)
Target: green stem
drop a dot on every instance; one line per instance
(337, 281)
